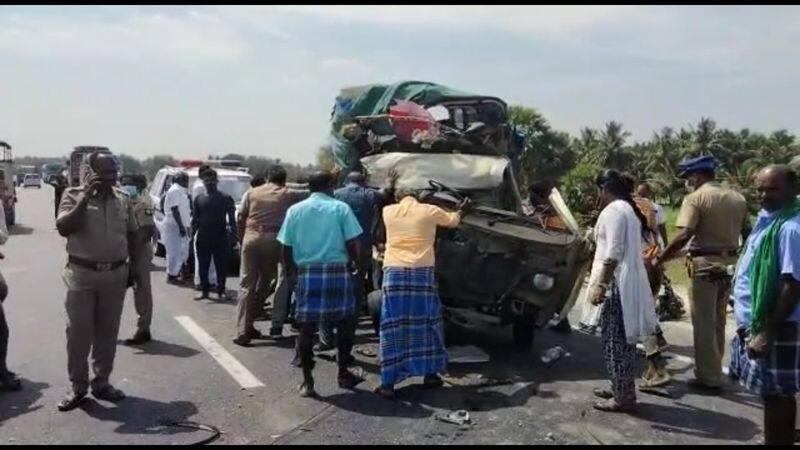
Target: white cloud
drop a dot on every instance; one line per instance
(193, 36)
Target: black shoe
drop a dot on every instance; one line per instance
(275, 332)
(174, 280)
(255, 334)
(10, 382)
(348, 380)
(702, 387)
(242, 341)
(138, 338)
(223, 296)
(109, 393)
(71, 401)
(202, 295)
(432, 382)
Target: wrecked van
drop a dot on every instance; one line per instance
(499, 266)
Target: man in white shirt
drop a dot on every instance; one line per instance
(177, 224)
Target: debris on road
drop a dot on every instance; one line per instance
(550, 437)
(460, 417)
(475, 379)
(553, 354)
(368, 350)
(466, 354)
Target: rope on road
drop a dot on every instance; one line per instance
(197, 426)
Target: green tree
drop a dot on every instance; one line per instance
(547, 154)
(130, 164)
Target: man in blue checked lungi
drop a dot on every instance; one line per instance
(319, 237)
(411, 336)
(765, 352)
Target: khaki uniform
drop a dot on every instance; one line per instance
(718, 216)
(143, 251)
(265, 208)
(95, 298)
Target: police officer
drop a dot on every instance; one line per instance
(134, 186)
(98, 221)
(59, 183)
(711, 220)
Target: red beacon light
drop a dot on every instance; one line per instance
(189, 163)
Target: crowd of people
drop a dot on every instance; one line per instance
(313, 249)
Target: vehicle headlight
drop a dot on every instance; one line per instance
(543, 282)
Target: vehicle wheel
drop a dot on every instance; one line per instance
(11, 219)
(374, 308)
(523, 329)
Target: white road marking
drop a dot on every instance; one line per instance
(13, 270)
(239, 372)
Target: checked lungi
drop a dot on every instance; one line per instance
(323, 291)
(411, 335)
(778, 373)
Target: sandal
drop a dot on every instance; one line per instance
(610, 405)
(388, 394)
(603, 393)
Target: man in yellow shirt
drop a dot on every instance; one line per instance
(411, 335)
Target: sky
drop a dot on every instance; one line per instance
(261, 80)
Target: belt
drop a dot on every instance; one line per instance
(701, 252)
(96, 266)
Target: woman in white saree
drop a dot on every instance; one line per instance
(619, 282)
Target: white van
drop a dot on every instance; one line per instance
(232, 182)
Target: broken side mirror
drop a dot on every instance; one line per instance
(439, 113)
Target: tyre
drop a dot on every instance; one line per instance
(374, 308)
(523, 329)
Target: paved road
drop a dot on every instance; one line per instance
(193, 372)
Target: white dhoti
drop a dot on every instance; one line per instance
(177, 248)
(212, 271)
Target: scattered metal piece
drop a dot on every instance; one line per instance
(460, 417)
(367, 350)
(197, 426)
(553, 354)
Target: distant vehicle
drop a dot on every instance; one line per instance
(32, 180)
(49, 170)
(21, 171)
(232, 182)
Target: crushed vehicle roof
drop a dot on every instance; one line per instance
(362, 122)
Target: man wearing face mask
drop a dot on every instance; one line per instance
(99, 223)
(210, 212)
(711, 220)
(133, 186)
